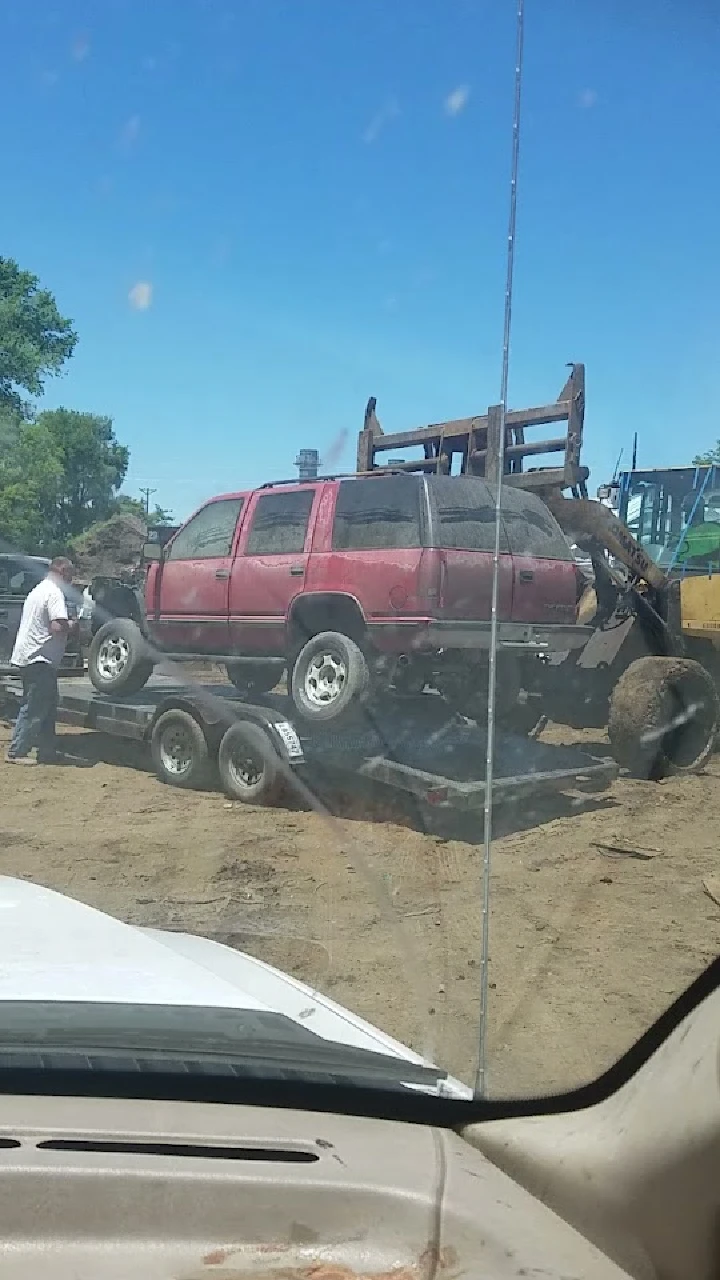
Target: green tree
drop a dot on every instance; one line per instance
(161, 515)
(35, 340)
(706, 459)
(30, 480)
(93, 466)
(124, 504)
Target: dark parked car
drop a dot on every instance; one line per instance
(18, 575)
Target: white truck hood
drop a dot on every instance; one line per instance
(55, 948)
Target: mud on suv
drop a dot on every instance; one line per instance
(352, 584)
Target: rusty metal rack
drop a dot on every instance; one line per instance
(477, 443)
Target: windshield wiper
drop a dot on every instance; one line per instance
(190, 1040)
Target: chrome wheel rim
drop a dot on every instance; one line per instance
(113, 657)
(176, 750)
(244, 769)
(325, 679)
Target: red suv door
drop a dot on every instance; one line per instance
(464, 532)
(371, 548)
(188, 611)
(270, 567)
(544, 574)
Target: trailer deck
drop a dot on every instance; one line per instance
(412, 744)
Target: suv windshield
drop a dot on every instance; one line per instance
(359, 592)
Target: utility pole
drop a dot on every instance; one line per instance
(146, 493)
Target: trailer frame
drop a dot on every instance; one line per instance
(415, 746)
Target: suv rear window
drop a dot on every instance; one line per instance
(465, 514)
(532, 529)
(377, 513)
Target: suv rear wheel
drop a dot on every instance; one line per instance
(330, 677)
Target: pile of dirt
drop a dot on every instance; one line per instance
(109, 549)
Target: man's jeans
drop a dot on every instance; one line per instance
(35, 725)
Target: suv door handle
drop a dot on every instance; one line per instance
(222, 573)
(526, 575)
(297, 570)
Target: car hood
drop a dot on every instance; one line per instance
(54, 948)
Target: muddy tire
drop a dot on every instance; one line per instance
(330, 678)
(663, 717)
(179, 750)
(119, 658)
(248, 765)
(253, 677)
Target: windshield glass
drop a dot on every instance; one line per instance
(338, 711)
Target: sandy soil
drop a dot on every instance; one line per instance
(587, 946)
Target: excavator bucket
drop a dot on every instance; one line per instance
(471, 446)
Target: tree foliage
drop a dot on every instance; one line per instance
(35, 340)
(706, 459)
(124, 504)
(61, 471)
(93, 466)
(59, 475)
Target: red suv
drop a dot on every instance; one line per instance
(350, 583)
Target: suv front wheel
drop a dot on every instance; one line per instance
(330, 677)
(119, 660)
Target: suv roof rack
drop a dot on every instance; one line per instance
(341, 475)
(477, 441)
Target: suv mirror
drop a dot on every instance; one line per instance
(152, 551)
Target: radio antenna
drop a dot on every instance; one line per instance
(481, 1078)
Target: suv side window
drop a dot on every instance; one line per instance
(279, 523)
(465, 514)
(209, 535)
(532, 529)
(378, 513)
(19, 579)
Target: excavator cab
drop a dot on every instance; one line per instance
(674, 514)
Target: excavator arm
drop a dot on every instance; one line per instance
(592, 519)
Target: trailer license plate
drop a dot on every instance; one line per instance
(289, 737)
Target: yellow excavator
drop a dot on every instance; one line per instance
(650, 669)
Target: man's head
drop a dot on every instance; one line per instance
(62, 568)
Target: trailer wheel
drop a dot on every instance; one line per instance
(330, 676)
(118, 660)
(179, 750)
(253, 677)
(248, 765)
(663, 717)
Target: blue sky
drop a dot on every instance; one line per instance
(260, 212)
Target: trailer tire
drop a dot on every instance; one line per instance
(663, 717)
(253, 677)
(344, 661)
(118, 659)
(179, 749)
(248, 765)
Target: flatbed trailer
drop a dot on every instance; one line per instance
(412, 745)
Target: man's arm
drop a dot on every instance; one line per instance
(58, 614)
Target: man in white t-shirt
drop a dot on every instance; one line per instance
(38, 652)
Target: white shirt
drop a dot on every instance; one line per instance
(35, 642)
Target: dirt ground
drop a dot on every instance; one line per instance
(587, 945)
